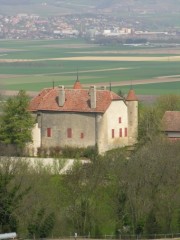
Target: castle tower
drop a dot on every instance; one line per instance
(77, 84)
(132, 105)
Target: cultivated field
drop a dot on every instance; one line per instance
(33, 65)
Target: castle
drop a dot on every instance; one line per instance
(80, 117)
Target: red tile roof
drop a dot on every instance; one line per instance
(171, 121)
(76, 100)
(131, 96)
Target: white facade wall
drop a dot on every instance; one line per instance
(114, 119)
(173, 134)
(54, 165)
(36, 140)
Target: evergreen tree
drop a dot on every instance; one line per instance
(16, 122)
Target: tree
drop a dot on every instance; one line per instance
(150, 116)
(149, 123)
(153, 177)
(116, 178)
(42, 225)
(151, 226)
(169, 102)
(11, 192)
(16, 123)
(41, 212)
(85, 191)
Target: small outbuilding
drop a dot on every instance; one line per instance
(171, 124)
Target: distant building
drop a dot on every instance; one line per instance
(80, 117)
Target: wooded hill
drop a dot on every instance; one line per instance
(92, 6)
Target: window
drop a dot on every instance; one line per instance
(120, 120)
(112, 133)
(120, 132)
(82, 135)
(49, 132)
(125, 132)
(69, 133)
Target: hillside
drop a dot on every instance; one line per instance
(59, 7)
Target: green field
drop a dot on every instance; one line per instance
(33, 65)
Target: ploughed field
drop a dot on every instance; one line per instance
(33, 65)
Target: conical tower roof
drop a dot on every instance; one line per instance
(131, 96)
(77, 85)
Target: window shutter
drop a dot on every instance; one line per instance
(49, 132)
(120, 132)
(69, 133)
(126, 132)
(112, 133)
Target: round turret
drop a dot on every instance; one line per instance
(132, 105)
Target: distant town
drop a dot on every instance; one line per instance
(92, 27)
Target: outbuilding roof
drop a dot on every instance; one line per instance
(171, 121)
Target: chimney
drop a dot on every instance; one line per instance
(92, 93)
(61, 99)
(103, 87)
